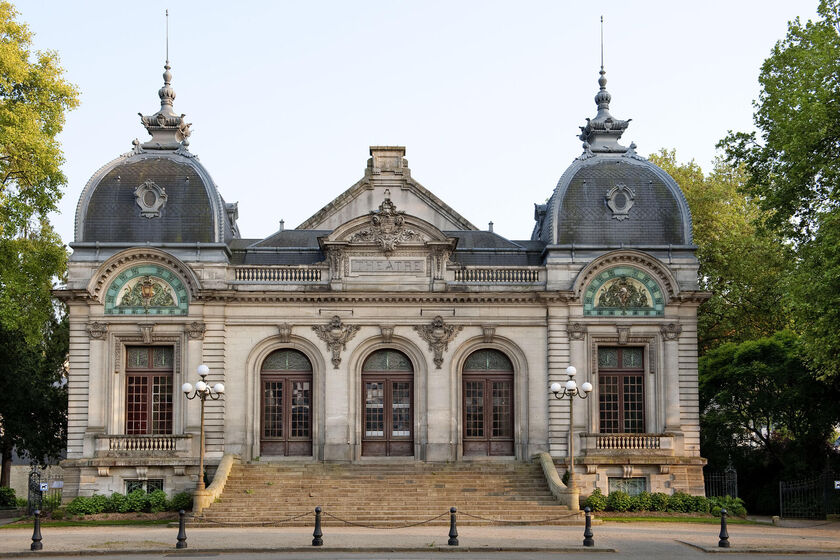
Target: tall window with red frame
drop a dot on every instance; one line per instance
(148, 390)
(621, 390)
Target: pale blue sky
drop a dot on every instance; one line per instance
(286, 97)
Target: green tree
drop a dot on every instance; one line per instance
(742, 266)
(763, 407)
(792, 162)
(794, 172)
(34, 97)
(33, 395)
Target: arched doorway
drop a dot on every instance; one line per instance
(387, 404)
(286, 408)
(488, 403)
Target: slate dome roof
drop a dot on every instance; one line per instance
(158, 192)
(610, 196)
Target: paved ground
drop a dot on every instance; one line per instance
(625, 540)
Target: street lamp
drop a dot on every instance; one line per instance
(202, 390)
(571, 390)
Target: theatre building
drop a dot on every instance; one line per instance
(386, 328)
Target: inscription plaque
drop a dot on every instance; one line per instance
(388, 266)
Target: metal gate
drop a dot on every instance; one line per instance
(722, 483)
(810, 498)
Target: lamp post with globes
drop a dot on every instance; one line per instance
(203, 390)
(571, 390)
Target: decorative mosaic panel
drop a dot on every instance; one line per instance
(286, 360)
(387, 360)
(623, 291)
(125, 294)
(483, 360)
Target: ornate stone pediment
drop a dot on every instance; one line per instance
(387, 228)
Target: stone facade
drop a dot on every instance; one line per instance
(386, 266)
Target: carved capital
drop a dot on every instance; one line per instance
(285, 332)
(336, 335)
(97, 330)
(196, 330)
(671, 331)
(577, 331)
(387, 333)
(627, 471)
(664, 469)
(142, 472)
(147, 331)
(103, 471)
(487, 333)
(438, 334)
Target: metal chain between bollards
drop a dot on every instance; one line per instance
(724, 534)
(36, 533)
(354, 524)
(257, 523)
(519, 521)
(182, 530)
(587, 530)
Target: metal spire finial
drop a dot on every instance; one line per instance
(167, 38)
(602, 43)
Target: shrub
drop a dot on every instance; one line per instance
(57, 513)
(699, 504)
(734, 506)
(658, 501)
(7, 497)
(117, 503)
(82, 505)
(157, 501)
(618, 501)
(21, 502)
(596, 501)
(181, 501)
(137, 500)
(679, 502)
(641, 502)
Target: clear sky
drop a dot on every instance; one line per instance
(286, 97)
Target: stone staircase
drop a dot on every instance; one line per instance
(386, 494)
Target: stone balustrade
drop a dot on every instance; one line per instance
(499, 275)
(118, 445)
(279, 275)
(596, 444)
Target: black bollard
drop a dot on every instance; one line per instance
(587, 530)
(453, 529)
(36, 534)
(182, 530)
(317, 540)
(724, 534)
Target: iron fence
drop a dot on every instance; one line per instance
(810, 498)
(721, 483)
(45, 490)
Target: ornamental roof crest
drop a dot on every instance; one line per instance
(387, 227)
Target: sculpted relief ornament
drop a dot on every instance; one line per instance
(438, 334)
(336, 335)
(387, 227)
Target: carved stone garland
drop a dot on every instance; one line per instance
(438, 334)
(387, 229)
(336, 335)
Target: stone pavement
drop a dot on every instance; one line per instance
(625, 538)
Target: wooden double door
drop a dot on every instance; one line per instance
(387, 405)
(487, 404)
(286, 407)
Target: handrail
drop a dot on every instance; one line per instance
(278, 274)
(498, 275)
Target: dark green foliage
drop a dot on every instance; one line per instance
(181, 501)
(658, 501)
(641, 502)
(117, 503)
(733, 506)
(7, 497)
(82, 505)
(618, 501)
(679, 502)
(137, 500)
(596, 501)
(156, 501)
(51, 502)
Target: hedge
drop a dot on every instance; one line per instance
(679, 502)
(136, 501)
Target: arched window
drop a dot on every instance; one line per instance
(488, 403)
(388, 399)
(286, 382)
